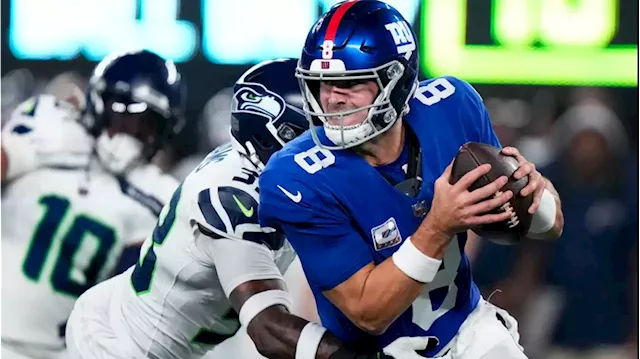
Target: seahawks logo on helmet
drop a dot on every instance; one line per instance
(256, 99)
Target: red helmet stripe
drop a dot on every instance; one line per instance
(332, 28)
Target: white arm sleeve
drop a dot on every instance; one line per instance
(239, 261)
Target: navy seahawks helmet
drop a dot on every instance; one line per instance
(354, 42)
(135, 104)
(267, 111)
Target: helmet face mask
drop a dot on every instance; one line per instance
(381, 115)
(359, 41)
(138, 96)
(137, 120)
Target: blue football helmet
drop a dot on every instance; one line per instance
(267, 111)
(355, 42)
(135, 104)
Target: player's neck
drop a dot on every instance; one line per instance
(385, 149)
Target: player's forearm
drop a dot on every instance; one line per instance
(375, 296)
(430, 241)
(276, 334)
(386, 294)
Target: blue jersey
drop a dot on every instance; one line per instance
(340, 213)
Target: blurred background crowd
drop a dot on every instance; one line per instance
(574, 113)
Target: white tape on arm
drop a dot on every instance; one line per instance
(544, 219)
(414, 263)
(309, 340)
(261, 301)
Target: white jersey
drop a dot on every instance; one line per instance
(173, 303)
(63, 230)
(48, 129)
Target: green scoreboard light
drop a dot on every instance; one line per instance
(544, 42)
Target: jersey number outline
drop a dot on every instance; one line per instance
(144, 269)
(439, 89)
(70, 243)
(424, 313)
(311, 162)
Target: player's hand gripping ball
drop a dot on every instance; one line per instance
(474, 154)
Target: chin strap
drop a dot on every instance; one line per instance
(413, 182)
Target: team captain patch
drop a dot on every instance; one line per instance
(386, 235)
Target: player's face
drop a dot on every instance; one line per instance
(339, 96)
(140, 125)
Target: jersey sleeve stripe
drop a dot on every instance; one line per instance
(209, 233)
(211, 216)
(150, 202)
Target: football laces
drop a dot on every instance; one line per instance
(513, 218)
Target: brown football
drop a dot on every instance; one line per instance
(474, 154)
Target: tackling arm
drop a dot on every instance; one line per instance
(279, 334)
(245, 262)
(258, 294)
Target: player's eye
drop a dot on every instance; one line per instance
(345, 84)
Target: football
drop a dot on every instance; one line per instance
(474, 154)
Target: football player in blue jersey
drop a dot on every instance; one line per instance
(365, 198)
(207, 268)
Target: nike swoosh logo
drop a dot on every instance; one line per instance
(296, 198)
(245, 211)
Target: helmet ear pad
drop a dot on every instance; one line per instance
(401, 92)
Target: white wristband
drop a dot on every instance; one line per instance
(261, 301)
(309, 340)
(545, 217)
(21, 156)
(414, 263)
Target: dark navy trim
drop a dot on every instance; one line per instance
(151, 203)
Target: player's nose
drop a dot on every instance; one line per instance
(336, 97)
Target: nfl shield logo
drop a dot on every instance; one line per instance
(325, 65)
